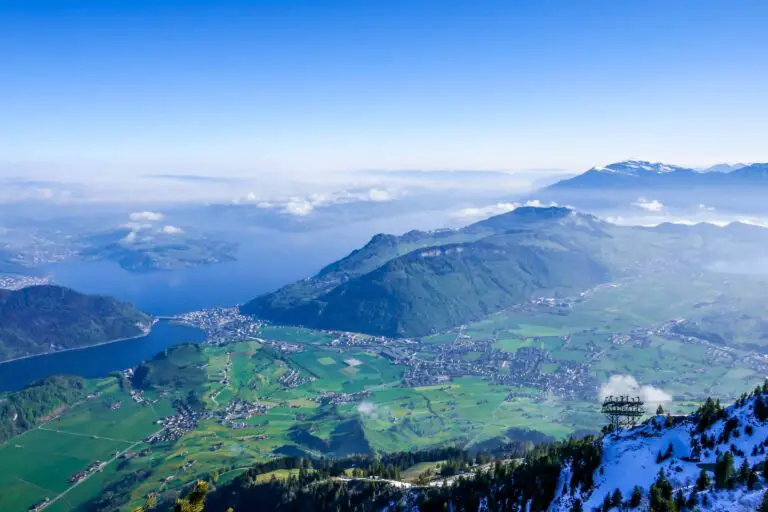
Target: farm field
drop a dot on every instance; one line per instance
(325, 399)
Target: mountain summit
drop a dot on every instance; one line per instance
(639, 167)
(423, 282)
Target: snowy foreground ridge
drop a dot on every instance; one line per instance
(680, 447)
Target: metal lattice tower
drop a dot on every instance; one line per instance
(623, 411)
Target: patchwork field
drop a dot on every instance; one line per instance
(327, 400)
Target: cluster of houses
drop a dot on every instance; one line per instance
(350, 339)
(82, 475)
(187, 419)
(288, 348)
(37, 507)
(293, 379)
(333, 398)
(221, 325)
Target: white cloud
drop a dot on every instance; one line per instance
(304, 205)
(477, 213)
(628, 385)
(377, 194)
(298, 207)
(367, 409)
(172, 230)
(129, 238)
(135, 226)
(650, 205)
(146, 216)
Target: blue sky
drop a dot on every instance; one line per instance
(311, 86)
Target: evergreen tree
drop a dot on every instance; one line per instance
(743, 474)
(636, 497)
(680, 499)
(761, 408)
(661, 497)
(659, 410)
(703, 482)
(606, 503)
(764, 504)
(616, 498)
(752, 479)
(724, 470)
(693, 500)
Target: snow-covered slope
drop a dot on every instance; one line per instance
(639, 167)
(632, 458)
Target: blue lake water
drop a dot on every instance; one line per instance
(265, 262)
(259, 269)
(96, 361)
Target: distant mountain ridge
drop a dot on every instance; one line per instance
(41, 319)
(420, 282)
(733, 187)
(639, 173)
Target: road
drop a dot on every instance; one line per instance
(104, 465)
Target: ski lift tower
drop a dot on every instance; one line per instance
(623, 411)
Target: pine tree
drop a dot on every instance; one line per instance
(606, 503)
(636, 497)
(724, 470)
(703, 482)
(680, 499)
(743, 474)
(616, 498)
(659, 410)
(661, 497)
(693, 500)
(752, 479)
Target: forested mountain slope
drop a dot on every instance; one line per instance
(421, 283)
(41, 319)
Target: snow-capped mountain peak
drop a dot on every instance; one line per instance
(639, 167)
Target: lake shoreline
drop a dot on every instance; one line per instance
(144, 334)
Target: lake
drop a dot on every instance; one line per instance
(96, 361)
(265, 261)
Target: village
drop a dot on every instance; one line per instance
(221, 325)
(187, 419)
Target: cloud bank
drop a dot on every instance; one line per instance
(172, 230)
(483, 212)
(301, 206)
(652, 205)
(146, 216)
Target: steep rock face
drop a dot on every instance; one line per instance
(40, 319)
(680, 447)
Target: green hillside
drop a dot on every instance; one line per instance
(419, 283)
(22, 410)
(42, 319)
